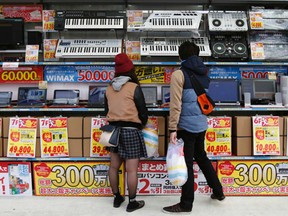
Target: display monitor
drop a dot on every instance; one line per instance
(96, 96)
(165, 92)
(150, 95)
(224, 91)
(31, 96)
(68, 96)
(259, 89)
(11, 32)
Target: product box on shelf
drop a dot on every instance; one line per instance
(242, 126)
(75, 133)
(1, 147)
(15, 178)
(75, 147)
(242, 146)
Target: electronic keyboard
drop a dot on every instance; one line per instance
(79, 19)
(88, 48)
(168, 21)
(169, 46)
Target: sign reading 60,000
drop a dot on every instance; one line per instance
(21, 74)
(254, 177)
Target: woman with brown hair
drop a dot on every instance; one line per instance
(125, 107)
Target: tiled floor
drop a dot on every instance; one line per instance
(101, 206)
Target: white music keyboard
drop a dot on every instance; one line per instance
(79, 19)
(169, 46)
(227, 21)
(88, 48)
(168, 21)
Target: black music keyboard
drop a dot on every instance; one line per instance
(88, 48)
(79, 19)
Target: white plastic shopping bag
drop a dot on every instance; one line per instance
(176, 165)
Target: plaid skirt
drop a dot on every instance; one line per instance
(131, 144)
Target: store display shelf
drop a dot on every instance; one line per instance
(143, 63)
(264, 157)
(149, 109)
(214, 158)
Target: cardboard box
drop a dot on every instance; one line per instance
(87, 127)
(5, 146)
(1, 147)
(5, 126)
(242, 126)
(285, 147)
(285, 125)
(86, 147)
(75, 127)
(242, 146)
(161, 126)
(75, 148)
(162, 146)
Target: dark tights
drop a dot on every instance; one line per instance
(131, 166)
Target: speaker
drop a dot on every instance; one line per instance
(35, 38)
(247, 99)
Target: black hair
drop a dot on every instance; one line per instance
(130, 74)
(187, 49)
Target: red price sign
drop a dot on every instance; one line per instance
(54, 149)
(33, 74)
(97, 75)
(20, 149)
(217, 149)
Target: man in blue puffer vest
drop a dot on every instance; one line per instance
(186, 121)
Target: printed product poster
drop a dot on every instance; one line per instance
(97, 149)
(32, 74)
(32, 53)
(30, 13)
(150, 133)
(50, 49)
(218, 136)
(48, 20)
(54, 137)
(153, 180)
(133, 50)
(257, 51)
(63, 74)
(15, 179)
(135, 18)
(254, 178)
(154, 74)
(74, 178)
(256, 20)
(266, 138)
(22, 137)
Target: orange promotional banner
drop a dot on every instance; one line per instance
(74, 178)
(22, 137)
(54, 137)
(254, 178)
(218, 136)
(32, 74)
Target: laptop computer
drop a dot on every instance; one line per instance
(225, 92)
(150, 95)
(66, 98)
(31, 97)
(5, 99)
(96, 96)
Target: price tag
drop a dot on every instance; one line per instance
(54, 137)
(218, 136)
(22, 137)
(257, 51)
(97, 149)
(256, 20)
(266, 138)
(22, 74)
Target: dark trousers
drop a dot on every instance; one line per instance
(194, 148)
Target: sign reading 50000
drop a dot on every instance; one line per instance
(21, 74)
